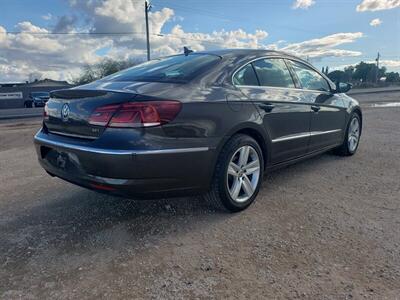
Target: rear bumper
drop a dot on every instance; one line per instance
(146, 173)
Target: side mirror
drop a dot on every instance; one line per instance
(342, 87)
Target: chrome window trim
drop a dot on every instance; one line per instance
(303, 135)
(281, 88)
(274, 87)
(43, 141)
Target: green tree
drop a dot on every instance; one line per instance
(368, 72)
(103, 68)
(337, 76)
(392, 77)
(349, 71)
(342, 76)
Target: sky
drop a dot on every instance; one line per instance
(56, 38)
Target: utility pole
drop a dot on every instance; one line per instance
(377, 67)
(147, 8)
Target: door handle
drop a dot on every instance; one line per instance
(315, 108)
(266, 106)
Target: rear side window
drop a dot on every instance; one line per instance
(179, 68)
(309, 79)
(245, 76)
(273, 72)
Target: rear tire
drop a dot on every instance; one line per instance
(352, 137)
(238, 174)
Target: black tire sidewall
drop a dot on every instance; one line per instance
(239, 141)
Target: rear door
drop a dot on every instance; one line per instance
(286, 118)
(328, 111)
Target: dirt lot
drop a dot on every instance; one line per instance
(327, 228)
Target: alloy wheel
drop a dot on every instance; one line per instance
(354, 134)
(243, 173)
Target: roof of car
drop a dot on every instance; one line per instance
(250, 52)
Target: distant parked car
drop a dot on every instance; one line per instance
(206, 122)
(37, 99)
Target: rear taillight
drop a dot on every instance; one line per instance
(136, 114)
(45, 112)
(102, 115)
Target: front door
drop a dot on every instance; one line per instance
(286, 117)
(327, 109)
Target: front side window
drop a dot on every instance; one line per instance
(273, 72)
(178, 68)
(309, 79)
(245, 76)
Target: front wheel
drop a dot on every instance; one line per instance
(238, 174)
(352, 138)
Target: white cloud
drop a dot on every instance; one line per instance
(30, 28)
(389, 63)
(38, 51)
(374, 5)
(325, 46)
(62, 56)
(303, 4)
(375, 22)
(47, 17)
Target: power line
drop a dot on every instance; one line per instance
(73, 33)
(117, 33)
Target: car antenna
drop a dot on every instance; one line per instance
(187, 51)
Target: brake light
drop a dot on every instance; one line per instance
(45, 112)
(136, 114)
(102, 115)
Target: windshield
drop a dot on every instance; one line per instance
(179, 68)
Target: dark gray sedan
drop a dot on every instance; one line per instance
(206, 122)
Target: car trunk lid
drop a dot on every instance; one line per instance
(68, 111)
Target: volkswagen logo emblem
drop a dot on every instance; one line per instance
(65, 112)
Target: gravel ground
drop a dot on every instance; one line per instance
(326, 228)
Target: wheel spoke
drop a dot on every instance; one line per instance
(233, 169)
(352, 143)
(247, 187)
(244, 155)
(252, 167)
(237, 186)
(353, 125)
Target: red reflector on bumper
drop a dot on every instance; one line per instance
(102, 187)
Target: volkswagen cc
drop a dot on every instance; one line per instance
(208, 123)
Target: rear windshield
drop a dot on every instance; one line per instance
(179, 68)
